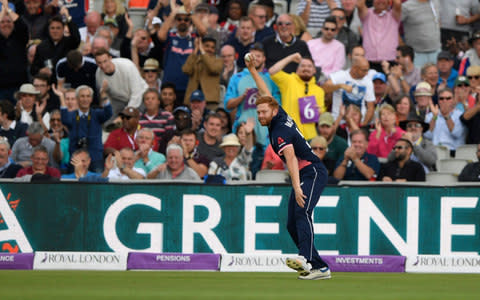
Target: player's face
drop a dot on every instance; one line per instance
(265, 114)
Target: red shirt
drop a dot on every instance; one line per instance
(29, 171)
(119, 139)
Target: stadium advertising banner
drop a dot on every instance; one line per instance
(80, 261)
(16, 261)
(195, 218)
(173, 261)
(442, 264)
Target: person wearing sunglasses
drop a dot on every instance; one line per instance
(327, 52)
(445, 126)
(151, 74)
(124, 137)
(315, 12)
(463, 93)
(319, 147)
(446, 73)
(345, 35)
(402, 168)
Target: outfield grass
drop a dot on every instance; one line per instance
(73, 285)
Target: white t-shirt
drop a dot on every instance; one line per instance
(362, 92)
(117, 175)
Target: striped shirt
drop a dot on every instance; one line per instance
(318, 12)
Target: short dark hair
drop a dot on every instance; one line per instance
(74, 59)
(151, 90)
(81, 150)
(6, 107)
(102, 51)
(42, 77)
(188, 131)
(406, 50)
(167, 85)
(330, 19)
(359, 131)
(56, 18)
(339, 9)
(40, 148)
(212, 115)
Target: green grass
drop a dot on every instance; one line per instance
(131, 285)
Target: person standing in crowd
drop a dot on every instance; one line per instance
(308, 176)
(314, 13)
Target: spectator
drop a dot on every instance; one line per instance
(136, 45)
(70, 99)
(81, 163)
(26, 108)
(319, 146)
(403, 74)
(421, 23)
(226, 121)
(473, 75)
(327, 52)
(258, 14)
(168, 96)
(22, 149)
(227, 53)
(314, 13)
(234, 165)
(124, 137)
(114, 11)
(403, 107)
(209, 140)
(250, 145)
(445, 125)
(353, 20)
(472, 56)
(59, 134)
(119, 165)
(283, 44)
(56, 45)
(243, 40)
(192, 157)
(380, 30)
(471, 119)
(125, 85)
(423, 150)
(9, 127)
(151, 74)
(36, 19)
(352, 117)
(161, 122)
(402, 169)
(356, 163)
(463, 93)
(183, 120)
(271, 15)
(39, 158)
(179, 44)
(302, 98)
(336, 145)
(234, 11)
(429, 73)
(107, 37)
(75, 70)
(381, 90)
(203, 68)
(348, 37)
(13, 52)
(8, 169)
(300, 30)
(446, 73)
(242, 93)
(199, 109)
(352, 87)
(146, 158)
(92, 20)
(457, 19)
(85, 124)
(174, 168)
(471, 172)
(46, 100)
(423, 99)
(386, 133)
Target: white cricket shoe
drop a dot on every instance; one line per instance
(299, 264)
(317, 274)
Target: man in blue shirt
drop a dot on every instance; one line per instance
(81, 162)
(308, 176)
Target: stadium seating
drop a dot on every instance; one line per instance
(468, 152)
(272, 176)
(442, 152)
(451, 165)
(441, 178)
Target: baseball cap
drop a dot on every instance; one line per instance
(151, 64)
(444, 55)
(197, 95)
(111, 21)
(209, 38)
(213, 10)
(268, 3)
(257, 46)
(462, 80)
(130, 111)
(181, 109)
(156, 20)
(326, 119)
(423, 89)
(380, 76)
(475, 36)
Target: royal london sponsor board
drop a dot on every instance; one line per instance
(442, 264)
(173, 261)
(16, 261)
(80, 261)
(255, 263)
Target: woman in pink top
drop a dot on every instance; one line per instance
(386, 134)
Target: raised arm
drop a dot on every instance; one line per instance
(281, 64)
(261, 85)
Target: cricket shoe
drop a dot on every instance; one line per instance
(317, 274)
(300, 265)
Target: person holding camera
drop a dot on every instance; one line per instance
(85, 124)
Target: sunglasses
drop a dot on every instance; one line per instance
(476, 77)
(55, 120)
(182, 19)
(329, 29)
(400, 147)
(179, 118)
(463, 85)
(318, 148)
(284, 23)
(414, 125)
(340, 17)
(149, 71)
(445, 98)
(261, 16)
(125, 117)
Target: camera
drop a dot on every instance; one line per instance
(82, 143)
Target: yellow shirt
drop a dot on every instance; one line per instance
(292, 88)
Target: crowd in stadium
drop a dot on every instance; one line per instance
(377, 88)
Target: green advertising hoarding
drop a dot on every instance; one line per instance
(362, 220)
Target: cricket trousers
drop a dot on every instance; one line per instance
(313, 179)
